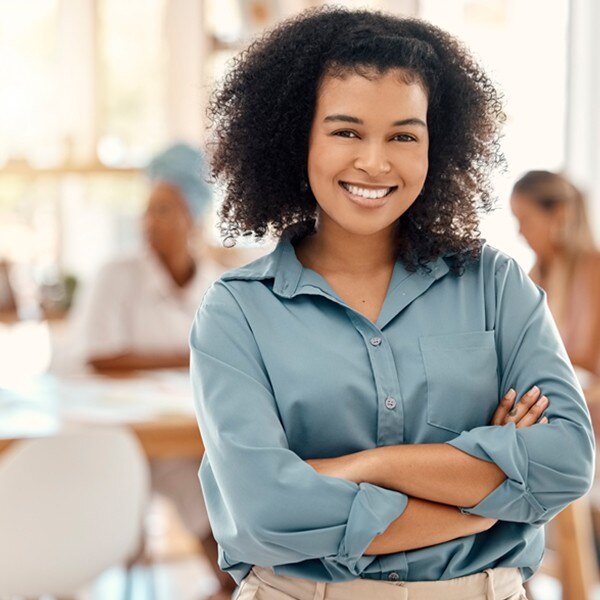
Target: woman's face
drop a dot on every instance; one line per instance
(368, 150)
(167, 221)
(536, 225)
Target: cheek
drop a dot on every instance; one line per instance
(537, 235)
(326, 159)
(413, 165)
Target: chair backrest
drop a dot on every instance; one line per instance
(71, 506)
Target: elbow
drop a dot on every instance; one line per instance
(574, 468)
(572, 482)
(584, 478)
(249, 541)
(245, 545)
(585, 464)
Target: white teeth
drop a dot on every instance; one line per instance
(365, 193)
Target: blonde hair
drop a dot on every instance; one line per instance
(548, 190)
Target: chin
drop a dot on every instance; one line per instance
(363, 228)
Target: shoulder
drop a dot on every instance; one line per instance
(497, 274)
(113, 278)
(121, 267)
(490, 261)
(493, 259)
(260, 268)
(246, 279)
(590, 261)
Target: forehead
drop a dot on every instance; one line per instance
(523, 205)
(164, 193)
(378, 96)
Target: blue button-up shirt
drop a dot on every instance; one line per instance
(284, 370)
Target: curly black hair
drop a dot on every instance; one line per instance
(261, 115)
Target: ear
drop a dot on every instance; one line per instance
(559, 230)
(562, 213)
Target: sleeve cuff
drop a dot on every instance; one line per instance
(498, 444)
(373, 510)
(512, 500)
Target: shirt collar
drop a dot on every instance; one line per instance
(291, 278)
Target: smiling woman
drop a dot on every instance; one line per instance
(349, 61)
(365, 392)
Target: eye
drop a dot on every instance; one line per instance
(407, 138)
(345, 133)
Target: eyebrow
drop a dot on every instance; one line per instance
(349, 119)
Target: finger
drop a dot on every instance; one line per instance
(504, 407)
(521, 408)
(535, 412)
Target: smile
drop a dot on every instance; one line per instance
(367, 197)
(372, 193)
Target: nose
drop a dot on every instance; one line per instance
(373, 160)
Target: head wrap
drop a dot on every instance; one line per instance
(183, 166)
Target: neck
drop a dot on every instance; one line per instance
(335, 250)
(180, 265)
(547, 261)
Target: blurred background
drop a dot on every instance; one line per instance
(92, 90)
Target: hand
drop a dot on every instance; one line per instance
(522, 414)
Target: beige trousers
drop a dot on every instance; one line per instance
(492, 584)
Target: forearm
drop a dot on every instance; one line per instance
(133, 361)
(425, 523)
(436, 472)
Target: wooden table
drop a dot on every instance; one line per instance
(156, 407)
(159, 439)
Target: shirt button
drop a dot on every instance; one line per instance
(375, 341)
(390, 403)
(393, 576)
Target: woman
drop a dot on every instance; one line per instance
(347, 383)
(553, 219)
(137, 313)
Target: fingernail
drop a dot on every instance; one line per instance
(542, 401)
(534, 390)
(511, 394)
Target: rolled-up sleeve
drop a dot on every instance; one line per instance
(547, 465)
(266, 505)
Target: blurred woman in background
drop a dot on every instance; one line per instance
(553, 219)
(138, 312)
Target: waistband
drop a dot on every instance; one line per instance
(491, 584)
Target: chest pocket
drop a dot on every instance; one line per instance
(462, 379)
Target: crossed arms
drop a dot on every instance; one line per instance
(437, 478)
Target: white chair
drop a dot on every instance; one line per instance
(71, 506)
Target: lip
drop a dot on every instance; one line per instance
(368, 186)
(367, 202)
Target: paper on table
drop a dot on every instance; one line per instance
(143, 397)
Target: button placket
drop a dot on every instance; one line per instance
(390, 417)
